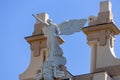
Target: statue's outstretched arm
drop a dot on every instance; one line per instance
(39, 20)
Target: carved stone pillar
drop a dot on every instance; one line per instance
(93, 45)
(101, 40)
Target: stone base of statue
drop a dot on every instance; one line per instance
(51, 69)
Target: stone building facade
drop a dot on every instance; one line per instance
(100, 33)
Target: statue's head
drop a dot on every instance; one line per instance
(49, 21)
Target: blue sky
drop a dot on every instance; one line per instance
(16, 22)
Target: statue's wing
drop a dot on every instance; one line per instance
(71, 26)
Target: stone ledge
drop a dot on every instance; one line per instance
(111, 70)
(103, 26)
(29, 39)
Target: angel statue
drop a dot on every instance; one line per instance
(52, 66)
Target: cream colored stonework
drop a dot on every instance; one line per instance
(38, 26)
(101, 76)
(34, 67)
(104, 16)
(105, 6)
(101, 40)
(38, 48)
(101, 35)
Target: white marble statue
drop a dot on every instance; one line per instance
(52, 66)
